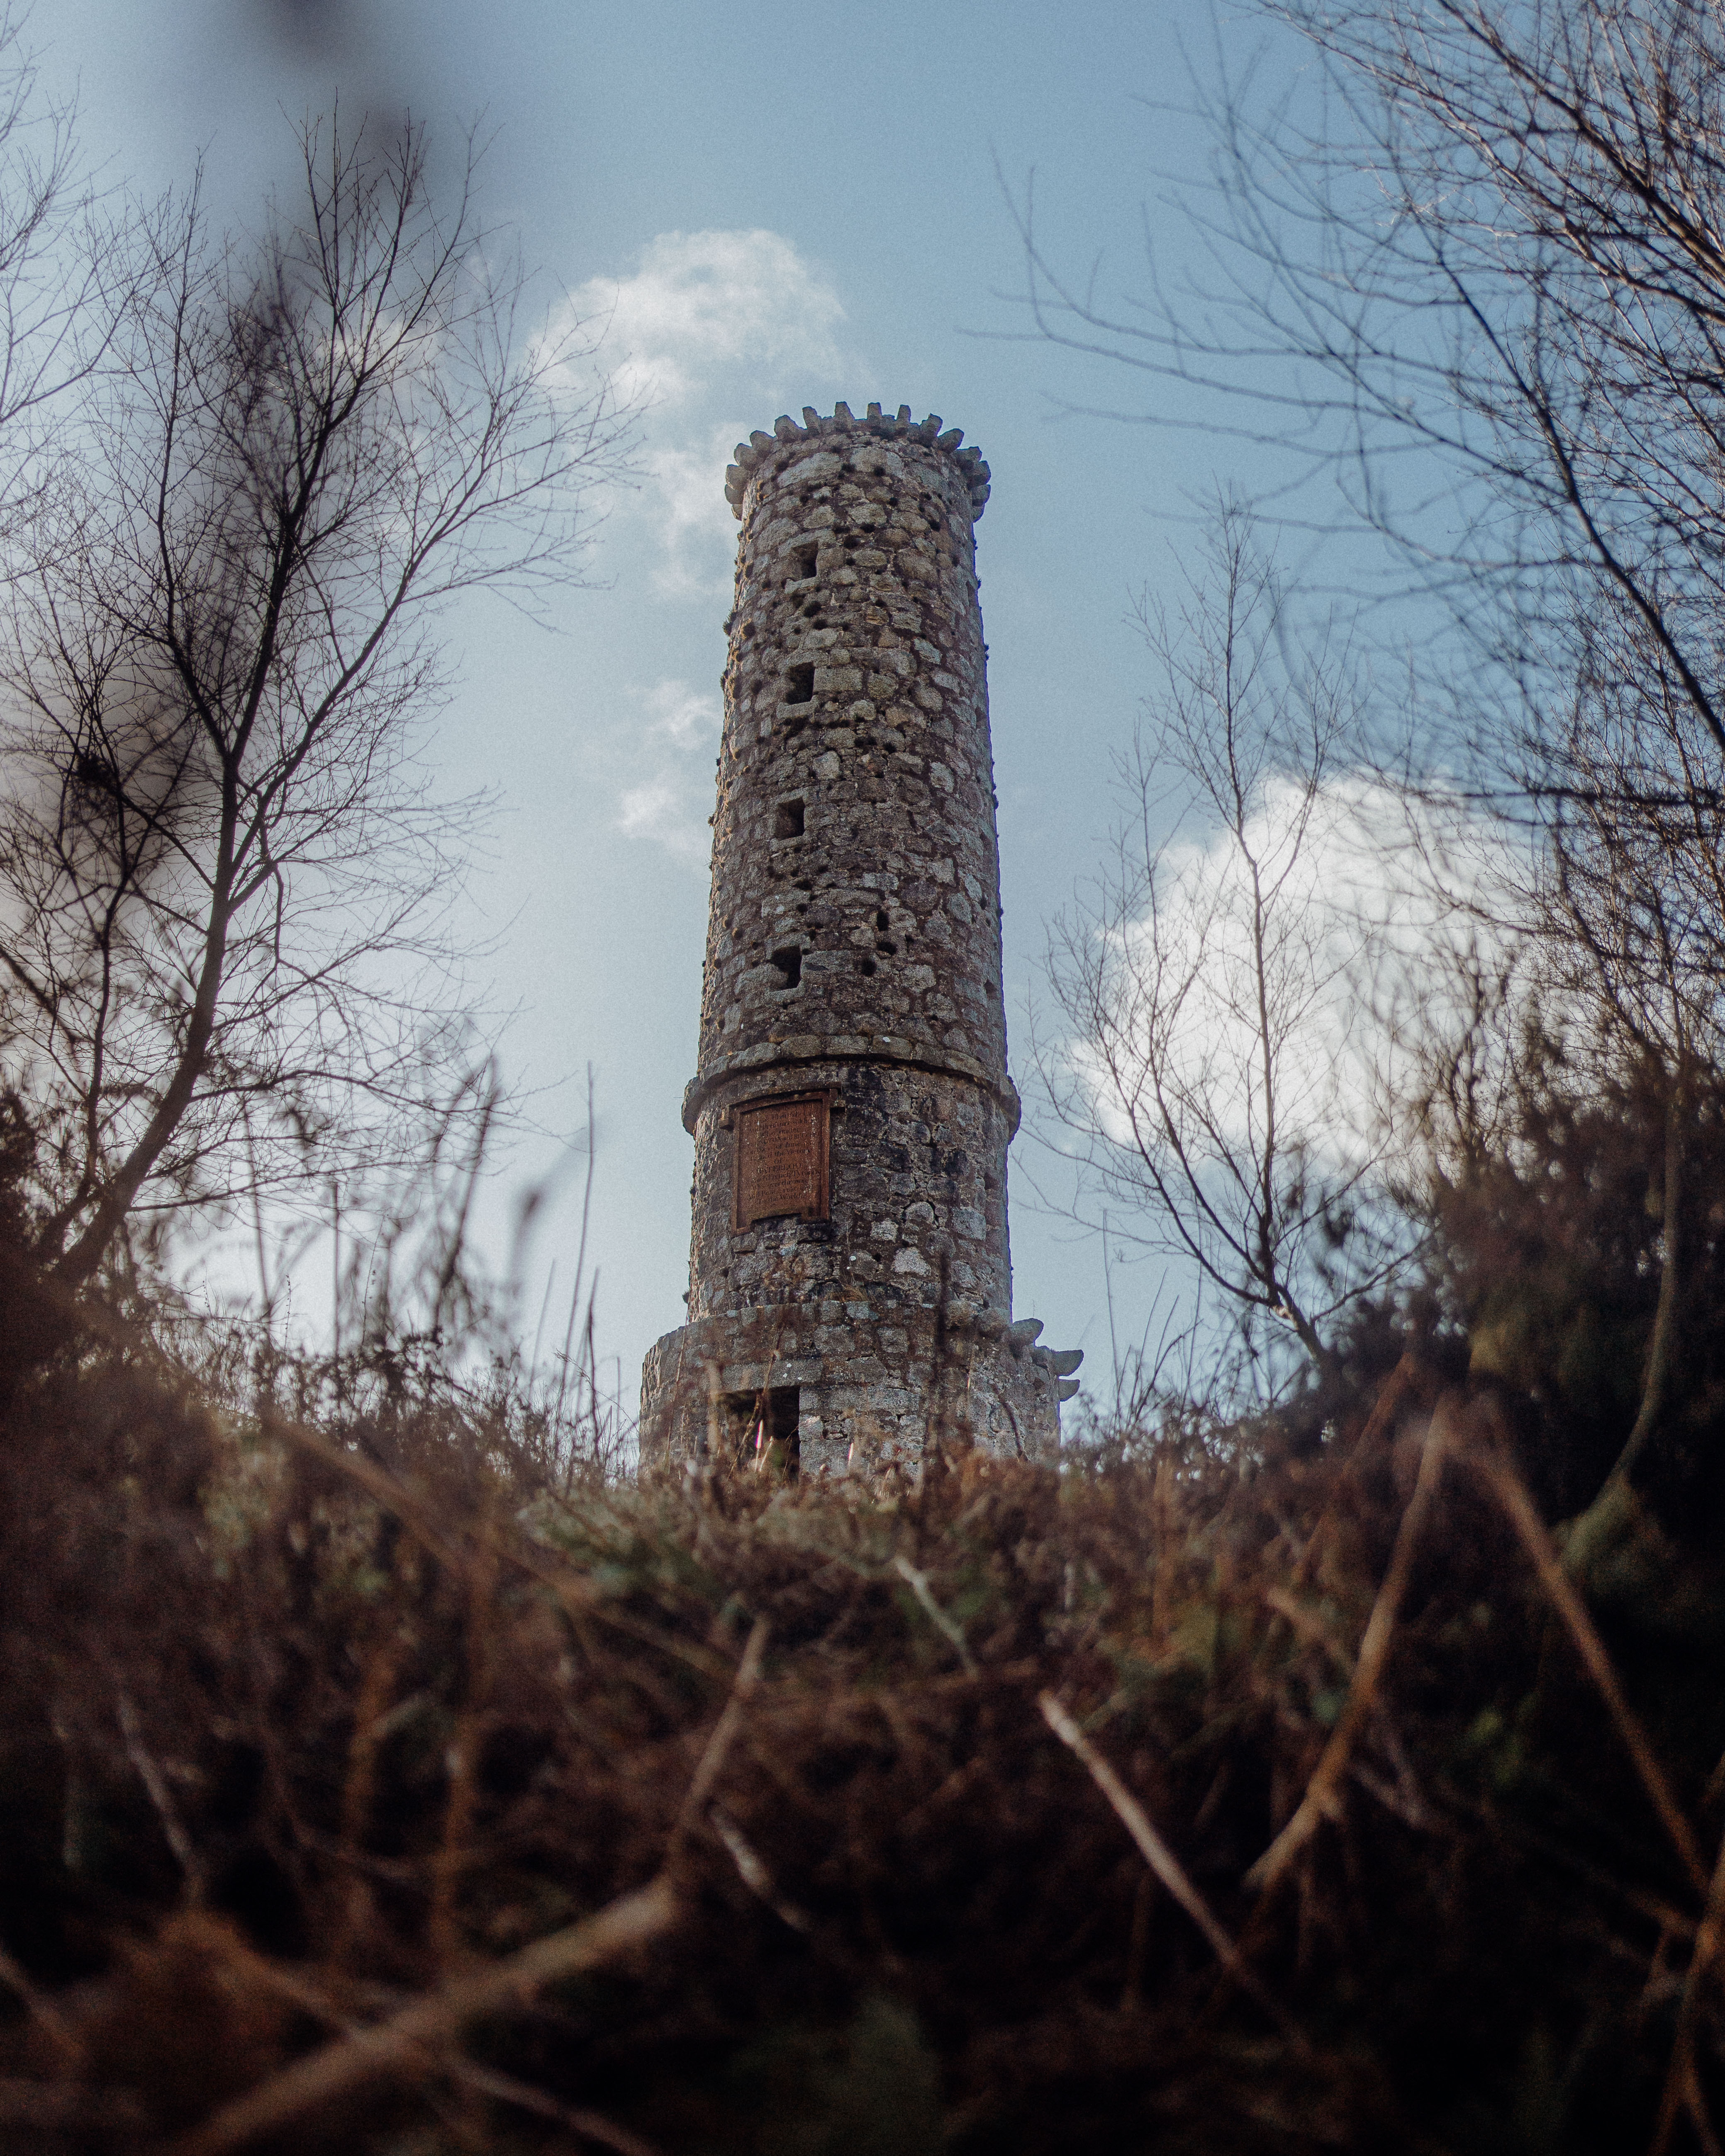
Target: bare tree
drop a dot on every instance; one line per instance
(1204, 984)
(1546, 308)
(222, 868)
(1473, 266)
(1480, 276)
(1477, 275)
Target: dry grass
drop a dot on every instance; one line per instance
(362, 1795)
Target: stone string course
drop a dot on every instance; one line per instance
(854, 944)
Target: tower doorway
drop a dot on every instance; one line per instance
(760, 1430)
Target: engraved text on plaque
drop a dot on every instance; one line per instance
(782, 1159)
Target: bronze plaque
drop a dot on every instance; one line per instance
(781, 1158)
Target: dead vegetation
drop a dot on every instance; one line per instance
(362, 1792)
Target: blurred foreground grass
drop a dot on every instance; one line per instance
(364, 1790)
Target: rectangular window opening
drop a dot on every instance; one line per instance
(763, 1429)
(788, 820)
(789, 962)
(799, 684)
(802, 560)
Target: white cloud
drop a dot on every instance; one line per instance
(697, 531)
(708, 327)
(657, 810)
(701, 301)
(684, 722)
(1374, 901)
(683, 714)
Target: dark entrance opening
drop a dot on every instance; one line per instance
(763, 1429)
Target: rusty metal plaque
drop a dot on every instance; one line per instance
(782, 1159)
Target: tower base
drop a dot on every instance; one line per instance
(833, 1390)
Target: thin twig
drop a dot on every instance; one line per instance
(41, 2011)
(161, 1796)
(1162, 1858)
(452, 1855)
(1309, 1628)
(366, 2055)
(753, 1872)
(925, 1594)
(1323, 1798)
(592, 2124)
(1682, 2092)
(1401, 1385)
(359, 1786)
(1696, 2099)
(289, 1985)
(718, 1744)
(1500, 1477)
(369, 2054)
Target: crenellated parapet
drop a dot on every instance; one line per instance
(789, 438)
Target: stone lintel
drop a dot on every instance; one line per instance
(767, 1376)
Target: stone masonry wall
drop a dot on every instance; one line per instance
(916, 1184)
(857, 707)
(854, 944)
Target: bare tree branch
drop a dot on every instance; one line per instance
(226, 876)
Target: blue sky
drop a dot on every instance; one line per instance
(762, 206)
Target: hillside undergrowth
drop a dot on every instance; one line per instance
(364, 1790)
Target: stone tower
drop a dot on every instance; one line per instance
(850, 1284)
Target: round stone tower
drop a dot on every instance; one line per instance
(850, 1282)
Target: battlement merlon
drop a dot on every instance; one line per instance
(764, 450)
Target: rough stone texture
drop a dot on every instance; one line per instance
(854, 943)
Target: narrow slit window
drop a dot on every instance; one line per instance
(789, 962)
(788, 820)
(799, 684)
(802, 560)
